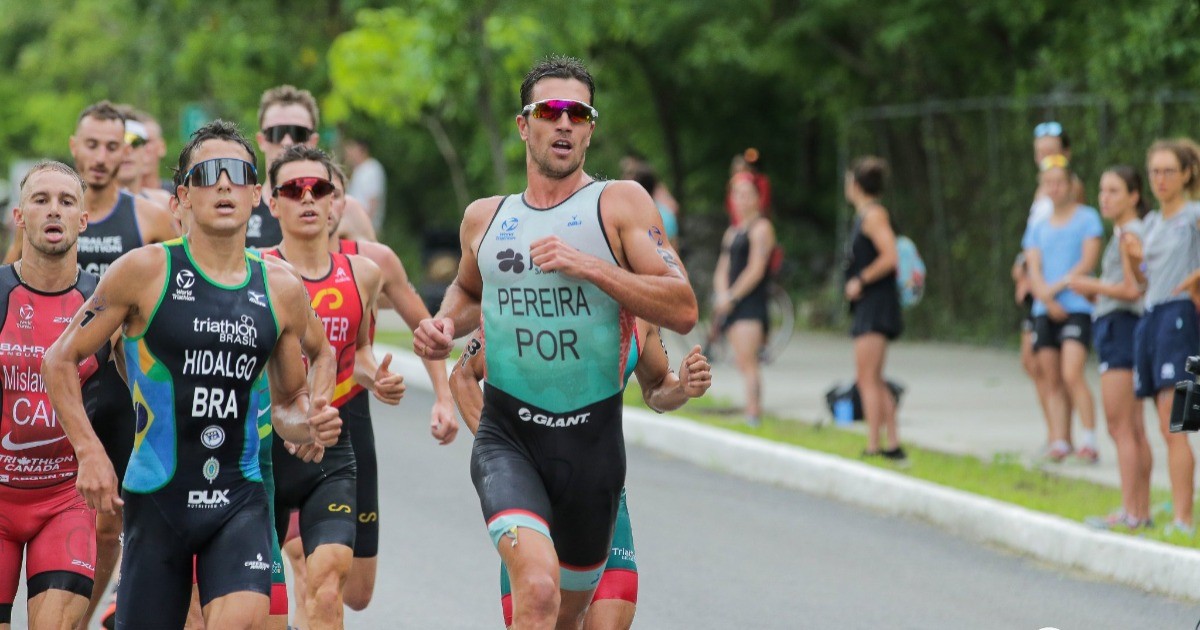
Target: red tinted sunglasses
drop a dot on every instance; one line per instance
(294, 189)
(552, 109)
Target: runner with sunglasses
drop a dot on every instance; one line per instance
(287, 116)
(46, 520)
(559, 273)
(201, 319)
(615, 601)
(343, 290)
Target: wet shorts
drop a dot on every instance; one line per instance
(58, 532)
(1114, 340)
(1166, 336)
(1051, 334)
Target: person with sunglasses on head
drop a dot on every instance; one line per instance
(1117, 294)
(201, 318)
(138, 159)
(1049, 138)
(156, 150)
(1169, 332)
(559, 272)
(615, 601)
(46, 520)
(343, 290)
(1064, 245)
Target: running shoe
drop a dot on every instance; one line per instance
(1087, 455)
(1179, 529)
(1055, 453)
(1119, 520)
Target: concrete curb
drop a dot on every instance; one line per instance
(1148, 565)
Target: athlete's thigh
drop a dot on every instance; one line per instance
(511, 491)
(56, 609)
(237, 558)
(327, 515)
(242, 609)
(62, 556)
(156, 566)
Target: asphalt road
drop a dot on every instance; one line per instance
(715, 551)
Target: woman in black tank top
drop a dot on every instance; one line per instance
(740, 285)
(874, 301)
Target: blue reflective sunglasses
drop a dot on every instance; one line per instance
(1047, 129)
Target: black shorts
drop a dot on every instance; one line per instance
(559, 474)
(752, 307)
(356, 416)
(114, 421)
(878, 310)
(1166, 336)
(1051, 334)
(1114, 334)
(1027, 313)
(231, 543)
(323, 492)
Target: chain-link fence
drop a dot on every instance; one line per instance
(963, 178)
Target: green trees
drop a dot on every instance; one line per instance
(434, 83)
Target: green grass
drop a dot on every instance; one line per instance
(1005, 478)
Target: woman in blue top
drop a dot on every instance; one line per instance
(1066, 244)
(1169, 331)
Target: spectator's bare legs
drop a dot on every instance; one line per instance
(745, 336)
(870, 350)
(1074, 360)
(1030, 363)
(1181, 463)
(1058, 405)
(1123, 414)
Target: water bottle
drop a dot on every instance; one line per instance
(843, 412)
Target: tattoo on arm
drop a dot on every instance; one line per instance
(99, 303)
(668, 258)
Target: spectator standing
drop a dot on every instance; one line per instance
(1169, 332)
(1117, 295)
(874, 301)
(1065, 244)
(748, 161)
(740, 285)
(368, 182)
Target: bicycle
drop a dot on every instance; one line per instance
(781, 325)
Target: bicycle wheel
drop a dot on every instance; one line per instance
(781, 317)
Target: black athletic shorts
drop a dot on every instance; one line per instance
(559, 474)
(356, 418)
(228, 532)
(114, 421)
(1051, 334)
(323, 492)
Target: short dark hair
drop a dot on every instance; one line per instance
(215, 130)
(57, 167)
(870, 173)
(104, 110)
(338, 173)
(557, 67)
(301, 153)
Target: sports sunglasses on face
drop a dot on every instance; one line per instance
(294, 188)
(206, 173)
(1047, 129)
(552, 109)
(276, 134)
